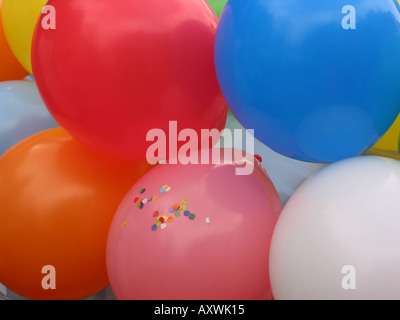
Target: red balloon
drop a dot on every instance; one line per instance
(113, 70)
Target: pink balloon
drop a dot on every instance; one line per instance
(220, 253)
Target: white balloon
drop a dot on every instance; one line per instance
(338, 237)
(286, 174)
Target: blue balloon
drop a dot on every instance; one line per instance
(317, 80)
(22, 113)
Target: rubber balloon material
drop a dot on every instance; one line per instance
(315, 84)
(390, 141)
(22, 113)
(19, 20)
(57, 200)
(217, 5)
(146, 63)
(10, 68)
(194, 232)
(286, 174)
(337, 236)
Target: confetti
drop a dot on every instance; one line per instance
(140, 205)
(144, 201)
(158, 223)
(156, 214)
(177, 213)
(208, 220)
(171, 209)
(162, 190)
(124, 224)
(136, 200)
(192, 216)
(170, 219)
(142, 190)
(176, 206)
(165, 186)
(154, 227)
(149, 199)
(162, 219)
(184, 201)
(184, 208)
(154, 198)
(163, 226)
(186, 213)
(168, 189)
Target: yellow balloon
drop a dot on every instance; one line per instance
(19, 22)
(390, 141)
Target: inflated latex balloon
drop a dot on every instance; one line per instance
(10, 68)
(217, 5)
(57, 200)
(22, 113)
(383, 153)
(317, 80)
(19, 20)
(338, 235)
(286, 174)
(390, 141)
(138, 65)
(194, 232)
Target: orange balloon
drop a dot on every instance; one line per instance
(57, 201)
(10, 68)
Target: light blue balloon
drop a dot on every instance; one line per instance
(318, 80)
(22, 113)
(285, 173)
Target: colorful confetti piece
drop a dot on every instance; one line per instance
(171, 209)
(142, 190)
(208, 220)
(184, 208)
(154, 227)
(163, 226)
(124, 224)
(176, 206)
(177, 213)
(192, 216)
(156, 214)
(186, 213)
(184, 201)
(158, 223)
(162, 190)
(170, 219)
(136, 200)
(154, 198)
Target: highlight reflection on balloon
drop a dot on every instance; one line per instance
(311, 89)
